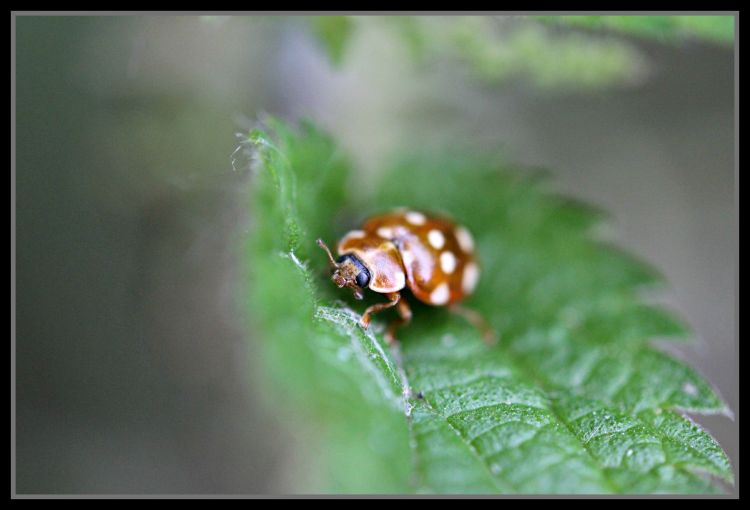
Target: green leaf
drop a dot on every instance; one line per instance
(333, 32)
(573, 399)
(550, 61)
(717, 29)
(499, 48)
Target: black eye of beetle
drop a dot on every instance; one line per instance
(363, 278)
(363, 275)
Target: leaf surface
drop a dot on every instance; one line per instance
(575, 398)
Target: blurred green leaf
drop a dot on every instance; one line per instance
(412, 33)
(573, 399)
(499, 48)
(719, 29)
(334, 33)
(549, 61)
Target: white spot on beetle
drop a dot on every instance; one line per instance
(415, 218)
(407, 257)
(470, 277)
(440, 295)
(400, 279)
(385, 232)
(355, 234)
(464, 239)
(436, 238)
(391, 283)
(447, 262)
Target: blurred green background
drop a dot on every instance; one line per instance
(134, 363)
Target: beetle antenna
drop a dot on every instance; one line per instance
(330, 256)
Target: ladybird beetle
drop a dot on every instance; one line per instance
(431, 255)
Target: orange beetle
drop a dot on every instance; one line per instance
(431, 255)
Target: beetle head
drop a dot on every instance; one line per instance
(348, 271)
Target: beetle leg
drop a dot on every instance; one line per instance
(404, 310)
(394, 299)
(475, 319)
